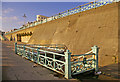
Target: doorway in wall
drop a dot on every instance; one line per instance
(18, 37)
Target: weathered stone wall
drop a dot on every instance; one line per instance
(25, 38)
(81, 31)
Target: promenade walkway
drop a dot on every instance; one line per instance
(17, 68)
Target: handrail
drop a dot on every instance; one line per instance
(46, 46)
(81, 55)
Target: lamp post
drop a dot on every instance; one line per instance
(95, 3)
(24, 18)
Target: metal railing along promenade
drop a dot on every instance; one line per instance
(75, 10)
(59, 59)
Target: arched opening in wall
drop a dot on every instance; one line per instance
(30, 33)
(14, 38)
(11, 38)
(27, 33)
(19, 37)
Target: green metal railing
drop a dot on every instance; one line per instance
(75, 10)
(59, 62)
(85, 62)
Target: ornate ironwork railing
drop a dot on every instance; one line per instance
(42, 56)
(75, 10)
(85, 62)
(60, 61)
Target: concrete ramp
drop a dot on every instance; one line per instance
(82, 30)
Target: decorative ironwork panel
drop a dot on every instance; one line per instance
(19, 51)
(50, 63)
(82, 63)
(60, 67)
(42, 60)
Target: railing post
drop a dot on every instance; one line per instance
(32, 55)
(38, 55)
(46, 19)
(52, 17)
(28, 54)
(68, 65)
(54, 60)
(24, 51)
(15, 47)
(68, 12)
(45, 58)
(41, 22)
(80, 9)
(95, 51)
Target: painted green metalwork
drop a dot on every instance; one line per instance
(42, 59)
(24, 53)
(95, 50)
(15, 47)
(38, 59)
(50, 59)
(86, 64)
(68, 65)
(46, 19)
(28, 54)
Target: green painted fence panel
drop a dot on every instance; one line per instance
(51, 59)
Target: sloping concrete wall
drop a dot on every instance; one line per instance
(81, 31)
(25, 39)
